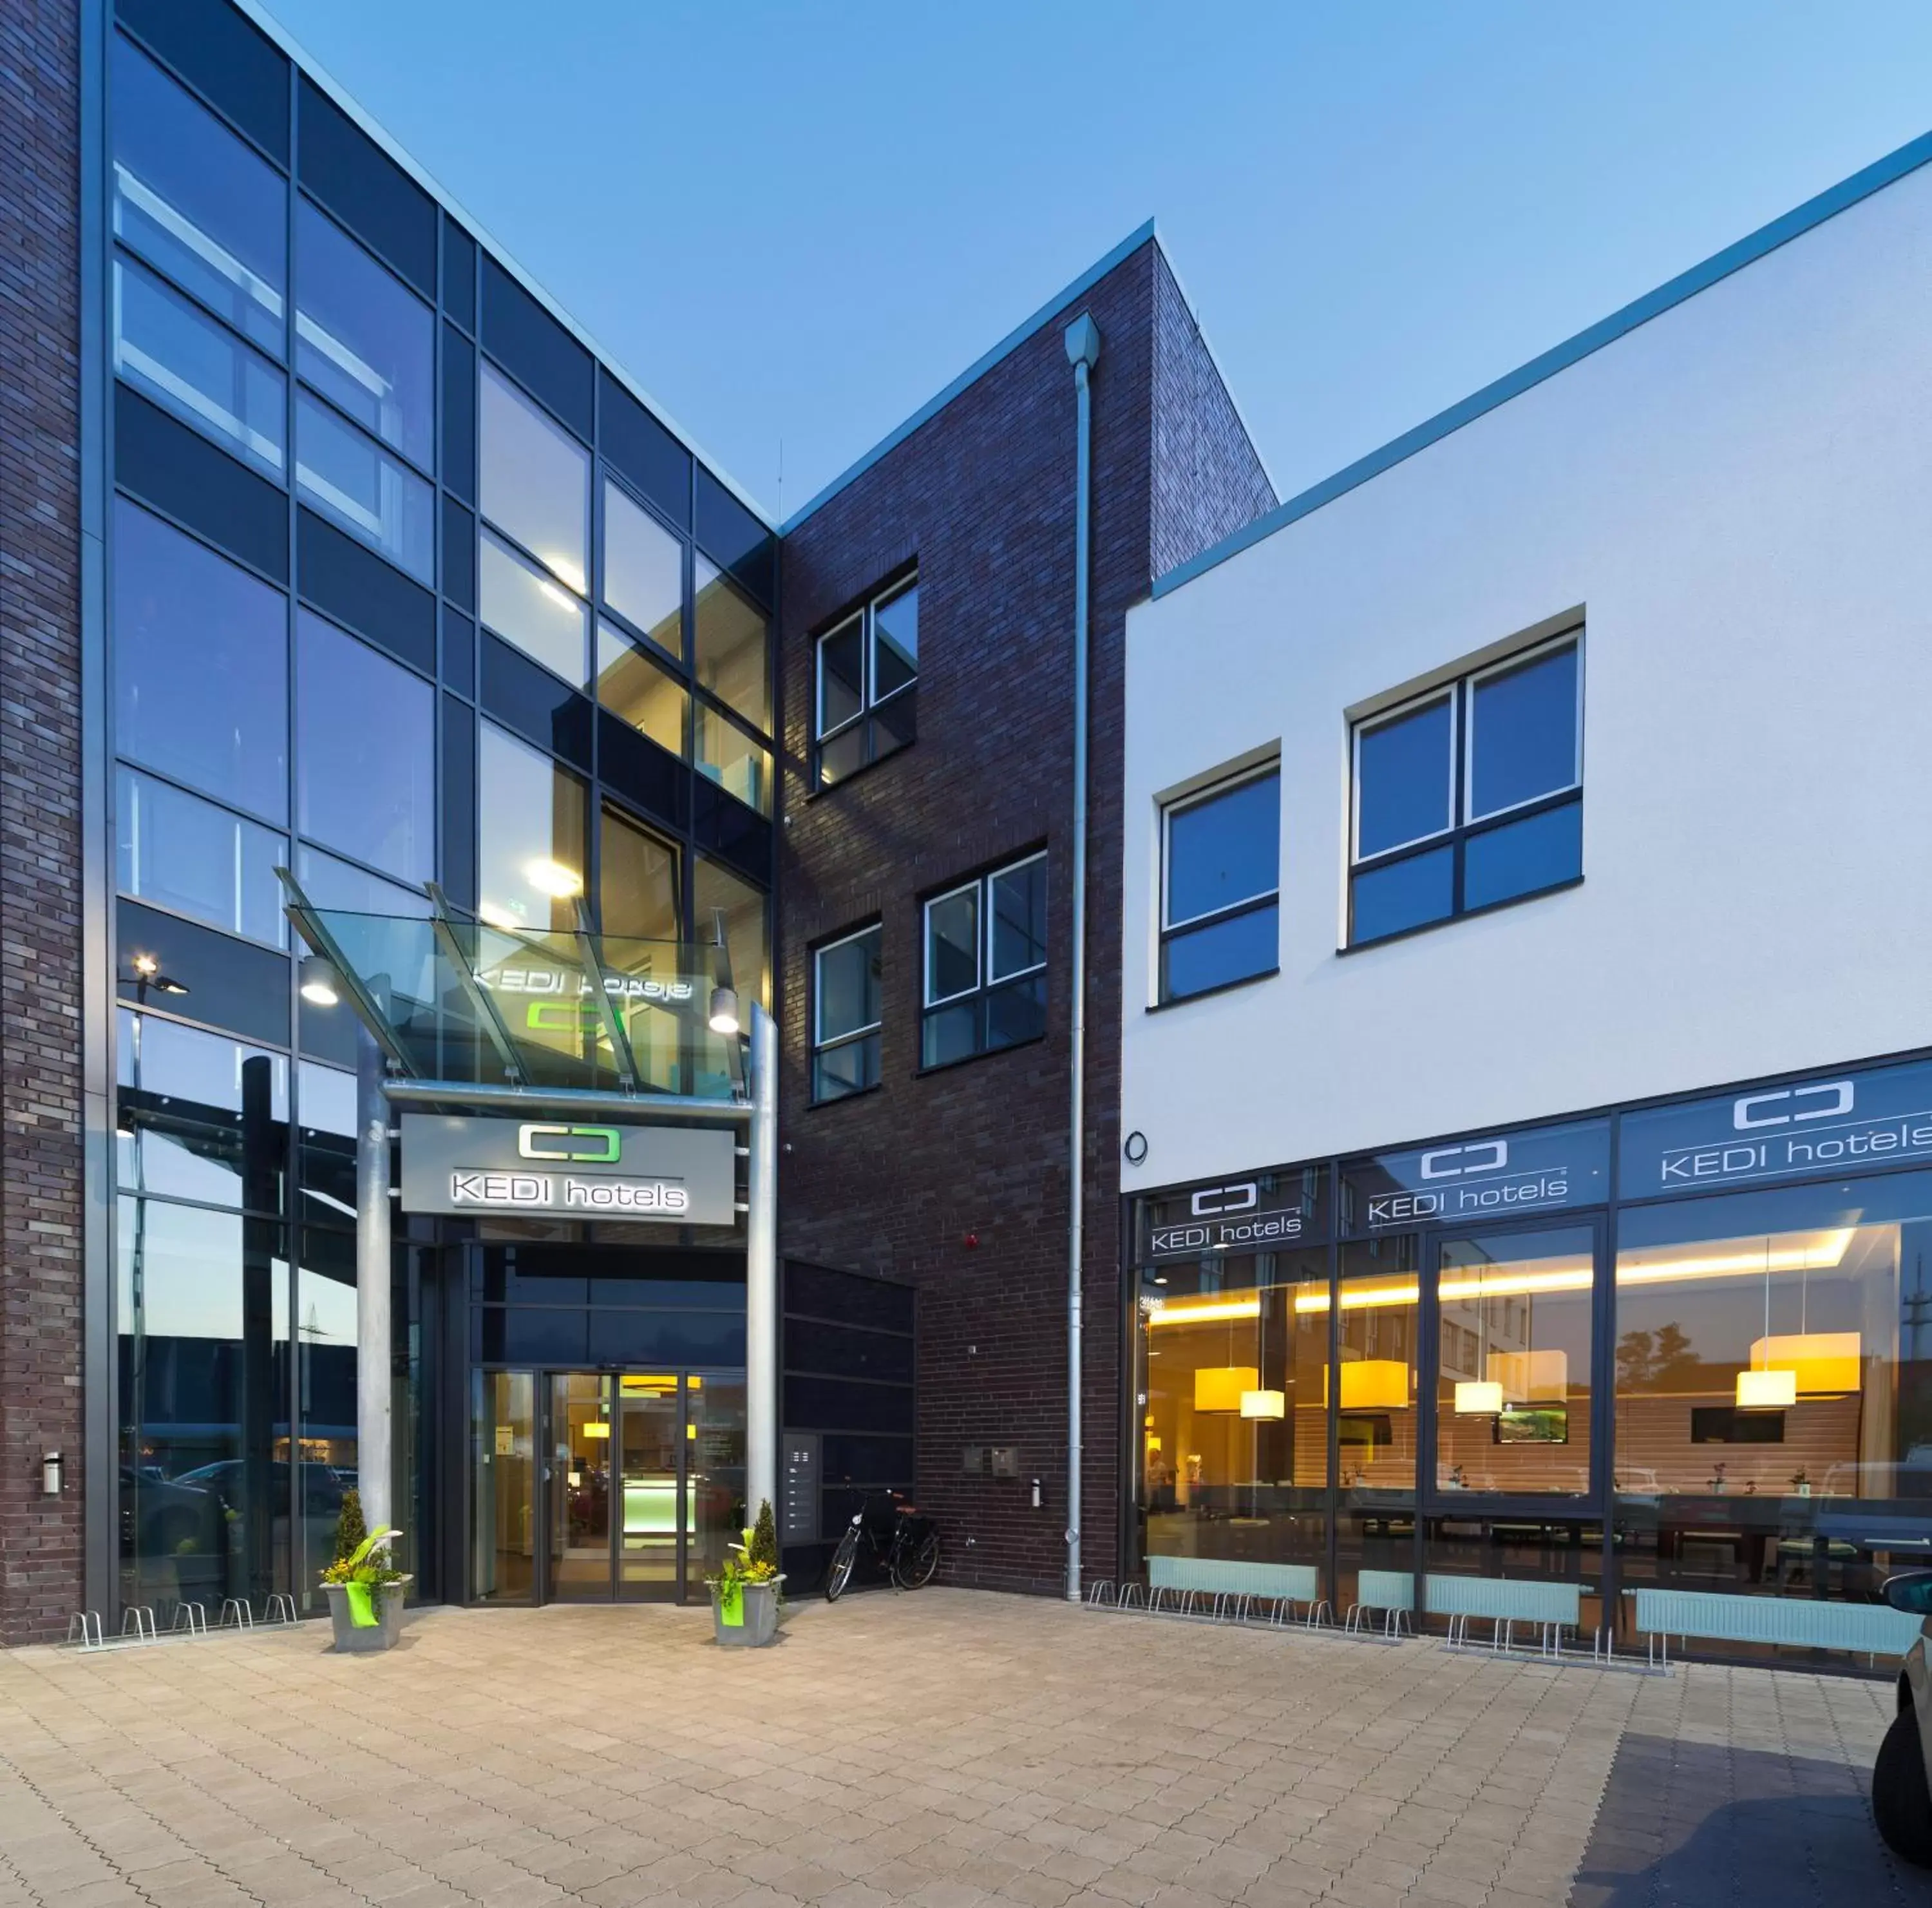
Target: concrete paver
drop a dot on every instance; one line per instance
(943, 1750)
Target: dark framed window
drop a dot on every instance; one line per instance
(984, 984)
(867, 677)
(1220, 868)
(846, 1013)
(1471, 795)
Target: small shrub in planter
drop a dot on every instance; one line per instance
(745, 1593)
(365, 1591)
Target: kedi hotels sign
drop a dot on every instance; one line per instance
(1846, 1124)
(555, 1169)
(1543, 1169)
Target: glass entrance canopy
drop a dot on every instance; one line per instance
(449, 998)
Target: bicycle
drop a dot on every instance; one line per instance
(900, 1541)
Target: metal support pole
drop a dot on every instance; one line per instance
(1082, 339)
(761, 1272)
(373, 1445)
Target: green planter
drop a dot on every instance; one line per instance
(353, 1637)
(753, 1625)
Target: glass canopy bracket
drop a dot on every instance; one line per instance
(368, 1009)
(477, 995)
(613, 1027)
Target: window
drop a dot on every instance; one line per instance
(362, 339)
(345, 888)
(371, 493)
(201, 689)
(868, 678)
(845, 1016)
(730, 658)
(637, 884)
(630, 684)
(1471, 795)
(532, 826)
(1220, 886)
(985, 965)
(173, 351)
(716, 895)
(196, 202)
(525, 606)
(365, 763)
(182, 853)
(729, 757)
(643, 571)
(536, 481)
(188, 1124)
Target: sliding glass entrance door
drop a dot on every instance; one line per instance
(603, 1486)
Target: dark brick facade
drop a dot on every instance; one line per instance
(41, 1201)
(895, 1181)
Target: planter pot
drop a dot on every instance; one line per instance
(754, 1624)
(351, 1637)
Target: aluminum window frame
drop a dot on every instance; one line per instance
(985, 985)
(976, 888)
(1463, 827)
(989, 979)
(870, 702)
(853, 1036)
(1182, 805)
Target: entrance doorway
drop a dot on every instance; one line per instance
(604, 1486)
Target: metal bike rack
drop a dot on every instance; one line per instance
(138, 1619)
(237, 1610)
(191, 1618)
(280, 1608)
(87, 1623)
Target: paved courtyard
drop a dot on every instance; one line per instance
(946, 1749)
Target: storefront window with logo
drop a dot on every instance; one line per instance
(1773, 1388)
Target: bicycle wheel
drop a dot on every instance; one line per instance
(913, 1567)
(843, 1558)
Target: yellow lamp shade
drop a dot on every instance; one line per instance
(597, 1428)
(1219, 1387)
(1264, 1405)
(1373, 1384)
(1824, 1363)
(1767, 1391)
(1478, 1398)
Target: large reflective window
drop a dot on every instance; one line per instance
(718, 895)
(637, 883)
(1772, 1361)
(325, 1153)
(372, 495)
(202, 1313)
(1524, 741)
(198, 1116)
(525, 606)
(341, 885)
(186, 855)
(324, 1359)
(1405, 777)
(1235, 1426)
(196, 201)
(729, 757)
(1513, 1381)
(362, 339)
(536, 481)
(533, 829)
(200, 666)
(643, 570)
(1378, 1357)
(630, 684)
(730, 658)
(365, 780)
(173, 351)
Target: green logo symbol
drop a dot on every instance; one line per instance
(587, 1145)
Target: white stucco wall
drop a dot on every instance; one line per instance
(1739, 495)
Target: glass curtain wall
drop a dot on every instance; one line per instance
(323, 393)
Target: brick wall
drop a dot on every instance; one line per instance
(41, 1208)
(896, 1180)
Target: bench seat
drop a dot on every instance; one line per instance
(1871, 1630)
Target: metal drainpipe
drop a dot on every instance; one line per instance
(761, 1271)
(1082, 340)
(372, 1360)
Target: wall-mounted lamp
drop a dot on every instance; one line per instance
(318, 979)
(148, 978)
(52, 1464)
(1478, 1398)
(723, 1010)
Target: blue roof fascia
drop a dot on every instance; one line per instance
(1747, 250)
(1011, 343)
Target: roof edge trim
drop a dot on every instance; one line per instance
(1793, 224)
(973, 372)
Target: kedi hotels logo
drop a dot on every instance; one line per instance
(1828, 1100)
(581, 1146)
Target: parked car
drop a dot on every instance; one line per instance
(1901, 1802)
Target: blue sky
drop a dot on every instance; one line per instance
(794, 224)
